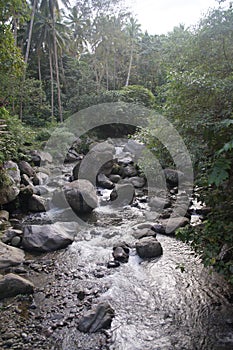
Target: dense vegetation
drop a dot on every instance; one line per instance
(56, 59)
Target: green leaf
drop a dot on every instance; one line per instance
(219, 171)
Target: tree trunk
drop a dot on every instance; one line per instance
(39, 66)
(130, 66)
(57, 74)
(30, 31)
(52, 86)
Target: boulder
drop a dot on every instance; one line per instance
(104, 182)
(72, 156)
(98, 160)
(37, 157)
(12, 285)
(37, 204)
(145, 232)
(159, 203)
(97, 319)
(40, 178)
(45, 238)
(173, 176)
(9, 190)
(124, 159)
(114, 178)
(13, 171)
(75, 171)
(137, 181)
(149, 247)
(81, 196)
(129, 171)
(123, 194)
(10, 234)
(121, 253)
(25, 168)
(26, 192)
(10, 256)
(172, 224)
(25, 180)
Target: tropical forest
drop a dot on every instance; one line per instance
(100, 248)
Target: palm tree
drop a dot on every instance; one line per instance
(133, 30)
(44, 33)
(52, 8)
(34, 8)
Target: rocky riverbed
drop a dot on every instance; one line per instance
(109, 273)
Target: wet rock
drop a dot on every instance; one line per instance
(75, 171)
(149, 247)
(40, 190)
(114, 178)
(26, 181)
(97, 319)
(137, 182)
(173, 176)
(121, 253)
(16, 241)
(104, 182)
(159, 228)
(159, 203)
(40, 178)
(45, 238)
(145, 232)
(81, 196)
(25, 168)
(12, 285)
(170, 225)
(37, 157)
(26, 192)
(123, 194)
(72, 156)
(125, 159)
(10, 234)
(113, 264)
(10, 256)
(98, 160)
(37, 204)
(129, 171)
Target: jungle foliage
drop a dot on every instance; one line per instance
(57, 59)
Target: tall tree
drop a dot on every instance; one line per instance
(55, 15)
(133, 30)
(33, 11)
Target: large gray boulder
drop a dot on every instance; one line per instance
(149, 247)
(45, 238)
(159, 203)
(10, 256)
(12, 285)
(25, 168)
(81, 196)
(9, 190)
(37, 204)
(122, 195)
(98, 160)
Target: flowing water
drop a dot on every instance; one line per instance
(168, 303)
